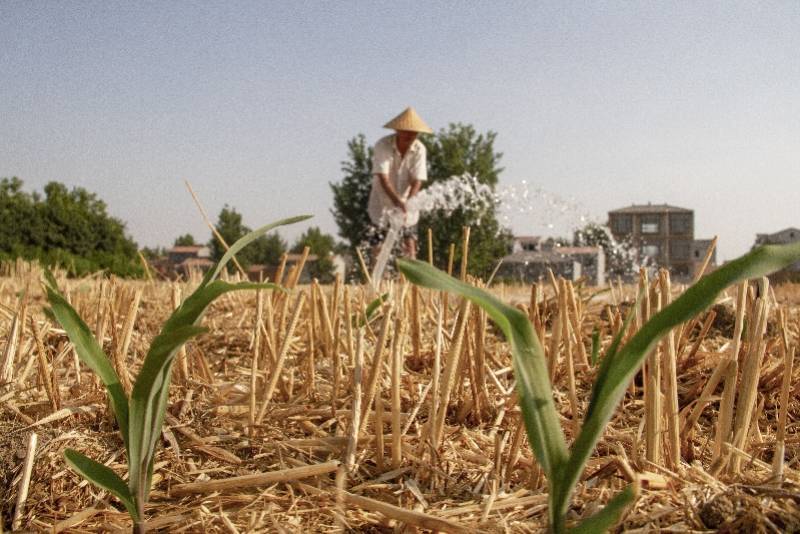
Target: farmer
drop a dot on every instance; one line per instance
(399, 166)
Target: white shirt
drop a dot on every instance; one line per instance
(386, 159)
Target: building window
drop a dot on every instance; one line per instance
(622, 224)
(680, 223)
(650, 224)
(651, 251)
(697, 253)
(680, 250)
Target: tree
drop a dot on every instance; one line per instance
(454, 151)
(321, 245)
(350, 196)
(231, 228)
(186, 240)
(267, 249)
(69, 228)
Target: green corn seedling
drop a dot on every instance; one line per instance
(561, 465)
(141, 417)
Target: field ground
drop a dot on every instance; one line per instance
(447, 455)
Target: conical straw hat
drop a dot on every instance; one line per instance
(408, 121)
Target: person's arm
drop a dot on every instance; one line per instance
(416, 185)
(389, 189)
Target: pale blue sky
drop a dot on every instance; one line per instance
(603, 104)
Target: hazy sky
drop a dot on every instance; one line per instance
(602, 104)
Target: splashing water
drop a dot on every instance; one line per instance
(444, 197)
(543, 210)
(538, 208)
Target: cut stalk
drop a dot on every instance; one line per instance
(670, 381)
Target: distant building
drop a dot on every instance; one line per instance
(187, 258)
(663, 233)
(531, 258)
(783, 237)
(529, 243)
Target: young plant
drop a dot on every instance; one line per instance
(141, 417)
(562, 466)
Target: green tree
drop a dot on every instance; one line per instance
(70, 228)
(350, 196)
(323, 246)
(231, 228)
(267, 249)
(186, 240)
(454, 151)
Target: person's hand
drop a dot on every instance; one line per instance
(402, 205)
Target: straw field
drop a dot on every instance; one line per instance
(302, 411)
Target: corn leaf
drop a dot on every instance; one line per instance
(530, 369)
(89, 352)
(151, 390)
(609, 516)
(595, 345)
(372, 307)
(102, 477)
(212, 274)
(617, 371)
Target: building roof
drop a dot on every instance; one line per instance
(186, 248)
(779, 233)
(196, 262)
(651, 208)
(528, 238)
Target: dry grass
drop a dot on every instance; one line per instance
(471, 471)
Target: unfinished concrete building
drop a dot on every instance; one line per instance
(662, 233)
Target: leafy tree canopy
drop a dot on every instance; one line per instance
(186, 240)
(70, 228)
(323, 246)
(267, 249)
